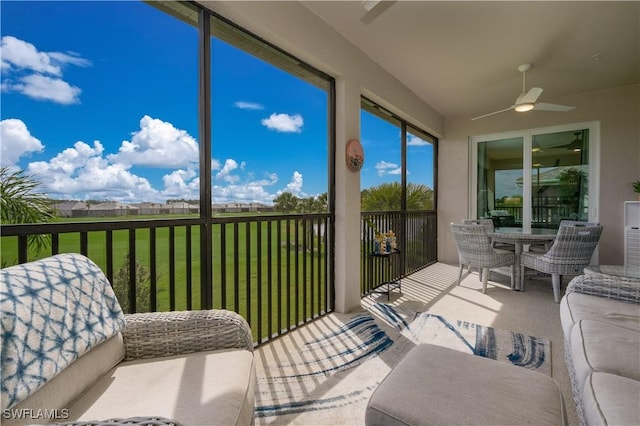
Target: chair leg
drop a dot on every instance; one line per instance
(460, 273)
(485, 278)
(513, 276)
(555, 281)
(521, 278)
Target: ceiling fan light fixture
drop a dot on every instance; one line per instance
(527, 106)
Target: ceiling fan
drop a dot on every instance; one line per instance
(527, 100)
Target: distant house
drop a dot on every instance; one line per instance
(114, 208)
(259, 207)
(151, 208)
(181, 207)
(235, 208)
(218, 208)
(241, 207)
(111, 208)
(66, 208)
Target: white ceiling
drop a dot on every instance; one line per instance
(461, 57)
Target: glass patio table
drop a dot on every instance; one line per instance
(519, 239)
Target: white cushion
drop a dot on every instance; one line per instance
(602, 347)
(60, 391)
(611, 400)
(577, 306)
(433, 385)
(203, 388)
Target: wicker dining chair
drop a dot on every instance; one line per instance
(488, 224)
(475, 250)
(569, 254)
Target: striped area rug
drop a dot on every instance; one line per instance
(324, 373)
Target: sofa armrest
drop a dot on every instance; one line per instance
(156, 334)
(611, 287)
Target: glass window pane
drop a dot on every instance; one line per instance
(500, 181)
(269, 127)
(559, 177)
(107, 118)
(420, 170)
(381, 176)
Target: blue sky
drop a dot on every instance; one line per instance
(99, 101)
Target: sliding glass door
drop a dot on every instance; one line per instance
(536, 178)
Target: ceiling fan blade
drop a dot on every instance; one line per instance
(552, 107)
(493, 113)
(374, 9)
(530, 97)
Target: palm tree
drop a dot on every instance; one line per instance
(286, 202)
(21, 203)
(419, 197)
(387, 196)
(383, 197)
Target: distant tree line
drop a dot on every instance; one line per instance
(287, 202)
(384, 197)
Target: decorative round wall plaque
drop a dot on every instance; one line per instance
(355, 155)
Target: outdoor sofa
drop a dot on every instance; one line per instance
(70, 355)
(600, 317)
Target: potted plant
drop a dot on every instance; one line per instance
(636, 188)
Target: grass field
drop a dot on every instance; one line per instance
(272, 272)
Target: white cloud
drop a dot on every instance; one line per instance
(17, 141)
(86, 171)
(413, 140)
(158, 144)
(248, 105)
(253, 191)
(181, 184)
(45, 88)
(23, 55)
(70, 58)
(43, 80)
(82, 172)
(225, 173)
(284, 123)
(386, 168)
(295, 186)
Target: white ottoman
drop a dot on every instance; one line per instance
(433, 385)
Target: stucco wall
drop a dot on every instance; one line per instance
(618, 112)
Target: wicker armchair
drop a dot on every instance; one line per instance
(157, 334)
(569, 254)
(475, 250)
(148, 369)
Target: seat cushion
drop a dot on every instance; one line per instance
(611, 400)
(604, 347)
(576, 306)
(67, 386)
(203, 388)
(433, 385)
